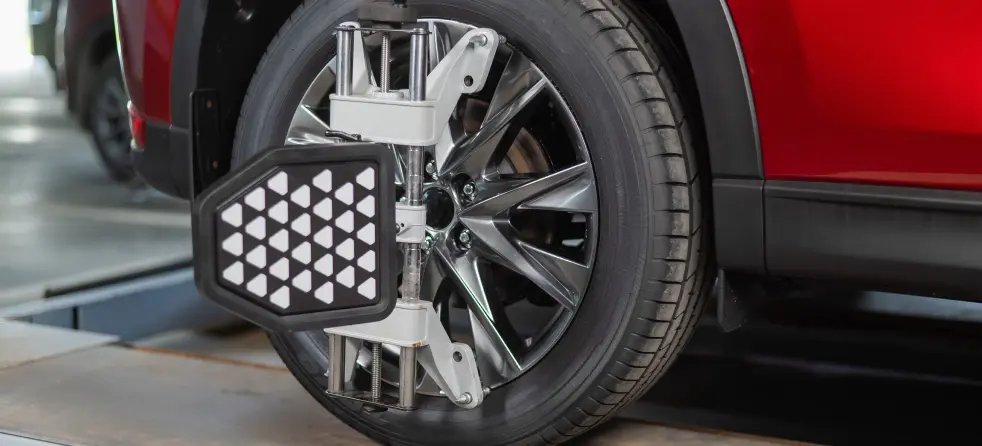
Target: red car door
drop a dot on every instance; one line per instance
(870, 91)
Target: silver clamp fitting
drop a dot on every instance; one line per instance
(411, 223)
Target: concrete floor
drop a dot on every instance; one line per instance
(62, 221)
(91, 392)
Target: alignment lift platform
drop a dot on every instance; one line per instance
(69, 375)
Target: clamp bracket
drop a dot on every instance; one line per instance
(410, 223)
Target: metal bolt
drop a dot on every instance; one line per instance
(465, 399)
(479, 40)
(465, 238)
(384, 74)
(469, 191)
(376, 371)
(431, 168)
(428, 243)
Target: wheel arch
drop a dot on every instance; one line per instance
(217, 47)
(704, 30)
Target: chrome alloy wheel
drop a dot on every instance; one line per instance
(511, 210)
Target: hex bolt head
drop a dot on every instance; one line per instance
(465, 399)
(428, 243)
(465, 238)
(431, 169)
(469, 191)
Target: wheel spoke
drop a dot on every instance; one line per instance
(322, 85)
(563, 279)
(306, 128)
(518, 78)
(561, 191)
(506, 116)
(499, 339)
(496, 240)
(579, 195)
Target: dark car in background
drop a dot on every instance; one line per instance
(78, 40)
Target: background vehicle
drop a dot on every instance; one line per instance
(78, 39)
(749, 138)
(43, 17)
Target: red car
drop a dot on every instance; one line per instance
(647, 148)
(78, 41)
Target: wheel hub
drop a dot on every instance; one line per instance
(440, 209)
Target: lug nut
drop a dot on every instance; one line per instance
(469, 191)
(465, 238)
(431, 169)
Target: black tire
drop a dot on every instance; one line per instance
(619, 76)
(110, 128)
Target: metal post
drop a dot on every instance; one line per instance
(335, 346)
(346, 49)
(411, 272)
(335, 355)
(407, 378)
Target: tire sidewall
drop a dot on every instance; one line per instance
(568, 55)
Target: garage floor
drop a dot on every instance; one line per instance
(81, 389)
(62, 222)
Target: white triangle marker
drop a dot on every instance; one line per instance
(280, 269)
(324, 209)
(281, 298)
(280, 212)
(367, 234)
(302, 253)
(346, 193)
(257, 257)
(302, 225)
(323, 181)
(278, 183)
(325, 265)
(280, 241)
(233, 215)
(257, 199)
(257, 286)
(367, 261)
(233, 244)
(301, 196)
(325, 237)
(347, 277)
(367, 288)
(367, 206)
(302, 281)
(346, 249)
(257, 228)
(366, 178)
(234, 273)
(346, 221)
(325, 293)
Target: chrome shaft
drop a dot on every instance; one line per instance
(335, 356)
(415, 169)
(346, 48)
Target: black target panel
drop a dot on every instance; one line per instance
(302, 234)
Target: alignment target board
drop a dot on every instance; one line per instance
(302, 237)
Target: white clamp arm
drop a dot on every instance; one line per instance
(411, 222)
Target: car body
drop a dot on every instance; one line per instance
(75, 37)
(843, 147)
